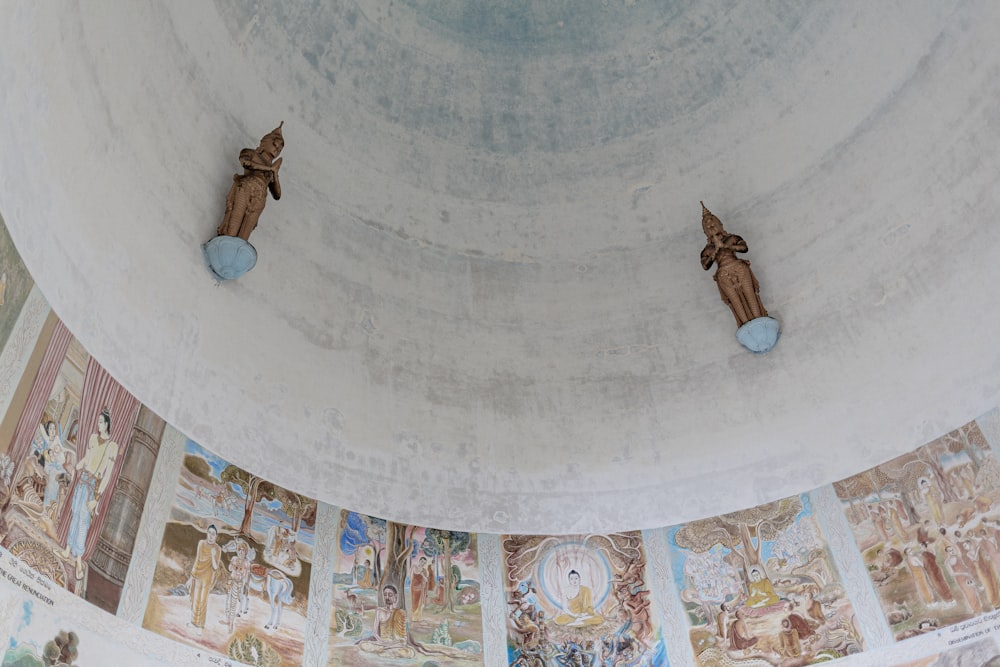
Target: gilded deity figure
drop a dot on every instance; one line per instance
(248, 194)
(737, 285)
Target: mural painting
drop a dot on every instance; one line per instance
(77, 469)
(15, 284)
(983, 653)
(761, 583)
(928, 526)
(579, 600)
(233, 570)
(404, 595)
(42, 638)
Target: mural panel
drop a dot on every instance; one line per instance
(43, 638)
(15, 284)
(762, 583)
(579, 600)
(76, 471)
(983, 653)
(234, 566)
(404, 595)
(928, 526)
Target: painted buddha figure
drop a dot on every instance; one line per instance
(761, 592)
(579, 607)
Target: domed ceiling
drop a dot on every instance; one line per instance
(478, 303)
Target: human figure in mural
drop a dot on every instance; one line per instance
(923, 585)
(633, 600)
(738, 286)
(815, 608)
(895, 518)
(979, 558)
(789, 645)
(963, 576)
(722, 620)
(579, 607)
(93, 475)
(740, 637)
(239, 576)
(879, 519)
(935, 576)
(761, 591)
(420, 578)
(364, 574)
(932, 497)
(248, 195)
(989, 551)
(201, 579)
(50, 454)
(390, 621)
(55, 470)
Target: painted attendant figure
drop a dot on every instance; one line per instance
(94, 473)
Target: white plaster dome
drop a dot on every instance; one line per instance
(478, 303)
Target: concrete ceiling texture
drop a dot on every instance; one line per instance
(479, 304)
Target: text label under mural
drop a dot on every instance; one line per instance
(404, 595)
(234, 567)
(928, 526)
(579, 600)
(762, 583)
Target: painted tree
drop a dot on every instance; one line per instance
(254, 490)
(297, 507)
(357, 530)
(445, 544)
(397, 553)
(796, 542)
(968, 439)
(742, 532)
(199, 467)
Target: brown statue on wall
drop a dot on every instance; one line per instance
(249, 192)
(737, 285)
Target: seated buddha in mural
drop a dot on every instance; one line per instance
(579, 608)
(761, 592)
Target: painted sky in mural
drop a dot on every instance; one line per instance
(42, 637)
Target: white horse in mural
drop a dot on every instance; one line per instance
(276, 585)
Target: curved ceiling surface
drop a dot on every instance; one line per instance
(478, 303)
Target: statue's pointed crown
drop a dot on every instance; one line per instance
(707, 218)
(276, 132)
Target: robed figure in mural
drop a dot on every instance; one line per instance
(248, 195)
(579, 607)
(94, 473)
(204, 571)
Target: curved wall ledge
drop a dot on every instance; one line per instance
(477, 304)
(200, 558)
